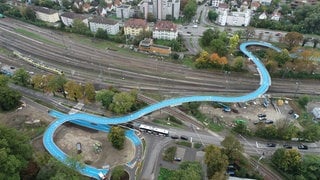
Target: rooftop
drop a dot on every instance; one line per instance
(165, 26)
(136, 23)
(44, 10)
(73, 15)
(102, 20)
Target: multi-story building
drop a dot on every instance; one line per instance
(46, 14)
(233, 18)
(123, 11)
(67, 18)
(111, 26)
(134, 27)
(215, 3)
(160, 8)
(165, 30)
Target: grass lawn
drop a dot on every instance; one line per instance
(184, 143)
(165, 174)
(37, 37)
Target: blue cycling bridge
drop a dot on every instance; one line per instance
(102, 123)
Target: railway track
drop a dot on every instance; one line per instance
(263, 171)
(172, 111)
(82, 63)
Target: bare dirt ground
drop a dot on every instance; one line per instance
(18, 118)
(249, 112)
(69, 135)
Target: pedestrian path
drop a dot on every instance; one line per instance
(102, 123)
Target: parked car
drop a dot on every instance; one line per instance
(177, 159)
(184, 137)
(174, 137)
(291, 112)
(278, 34)
(268, 122)
(287, 146)
(271, 145)
(261, 115)
(302, 146)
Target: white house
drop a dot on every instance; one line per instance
(265, 2)
(123, 11)
(67, 18)
(263, 16)
(46, 14)
(233, 18)
(276, 16)
(111, 26)
(165, 30)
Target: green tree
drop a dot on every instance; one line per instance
(190, 9)
(268, 132)
(151, 17)
(28, 13)
(208, 36)
(66, 4)
(310, 167)
(52, 169)
(122, 103)
(311, 132)
(89, 92)
(282, 57)
(303, 101)
(118, 172)
(3, 80)
(202, 60)
(21, 77)
(234, 42)
(219, 46)
(56, 83)
(190, 170)
(292, 39)
(212, 15)
(215, 160)
(232, 147)
(288, 160)
(79, 27)
(105, 97)
(9, 98)
(74, 90)
(238, 63)
(117, 137)
(15, 152)
(101, 34)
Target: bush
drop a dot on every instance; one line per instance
(169, 153)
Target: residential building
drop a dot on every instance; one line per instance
(160, 8)
(276, 16)
(316, 113)
(134, 27)
(263, 16)
(46, 14)
(233, 18)
(111, 26)
(265, 2)
(215, 3)
(148, 46)
(67, 18)
(123, 11)
(165, 30)
(255, 5)
(294, 4)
